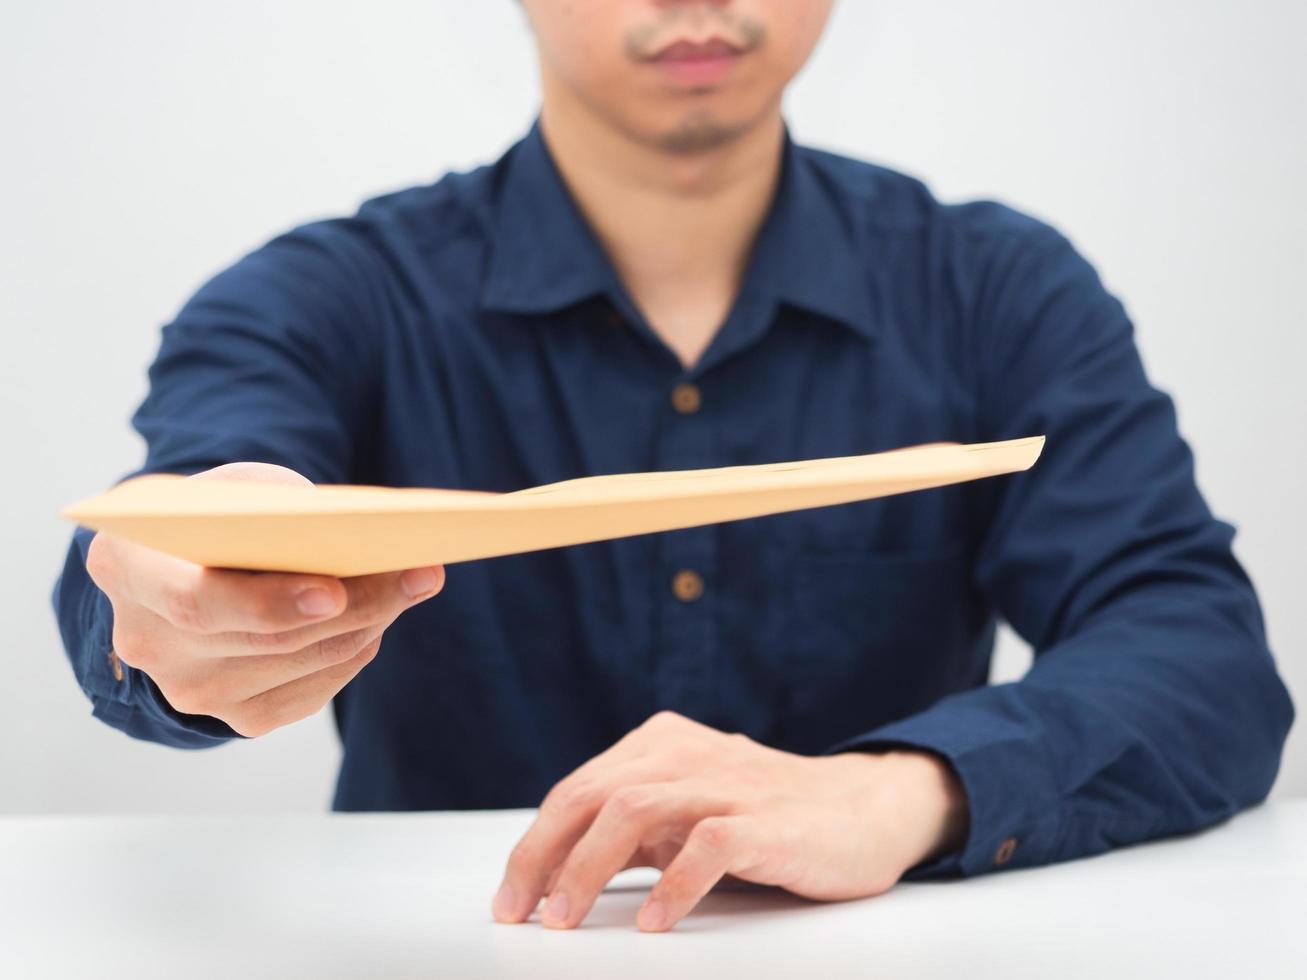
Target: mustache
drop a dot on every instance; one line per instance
(696, 22)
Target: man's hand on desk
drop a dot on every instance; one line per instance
(700, 805)
(257, 650)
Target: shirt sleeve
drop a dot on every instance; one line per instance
(1153, 706)
(269, 361)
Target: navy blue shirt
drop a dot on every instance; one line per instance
(473, 334)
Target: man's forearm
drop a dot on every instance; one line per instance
(1160, 716)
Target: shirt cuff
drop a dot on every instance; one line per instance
(104, 677)
(127, 698)
(203, 729)
(1015, 816)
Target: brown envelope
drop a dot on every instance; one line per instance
(355, 530)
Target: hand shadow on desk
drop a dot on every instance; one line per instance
(617, 906)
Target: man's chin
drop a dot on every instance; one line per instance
(699, 132)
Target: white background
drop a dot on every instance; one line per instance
(148, 144)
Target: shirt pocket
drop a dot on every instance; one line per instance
(874, 635)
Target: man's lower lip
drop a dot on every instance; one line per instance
(697, 71)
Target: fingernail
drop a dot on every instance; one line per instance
(502, 906)
(652, 917)
(418, 582)
(555, 909)
(315, 602)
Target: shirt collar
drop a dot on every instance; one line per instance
(546, 257)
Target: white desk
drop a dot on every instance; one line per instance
(407, 895)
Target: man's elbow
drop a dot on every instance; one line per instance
(1272, 724)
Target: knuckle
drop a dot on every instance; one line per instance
(559, 797)
(737, 740)
(181, 607)
(665, 719)
(99, 562)
(713, 835)
(132, 655)
(572, 793)
(339, 648)
(127, 643)
(630, 802)
(188, 697)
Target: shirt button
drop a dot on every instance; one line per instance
(615, 318)
(1005, 851)
(685, 399)
(115, 663)
(687, 585)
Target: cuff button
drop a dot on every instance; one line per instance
(115, 664)
(1005, 851)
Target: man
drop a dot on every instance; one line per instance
(657, 277)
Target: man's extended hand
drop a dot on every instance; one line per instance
(700, 804)
(257, 650)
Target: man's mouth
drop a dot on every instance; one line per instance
(684, 50)
(697, 63)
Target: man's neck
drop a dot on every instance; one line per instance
(678, 227)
